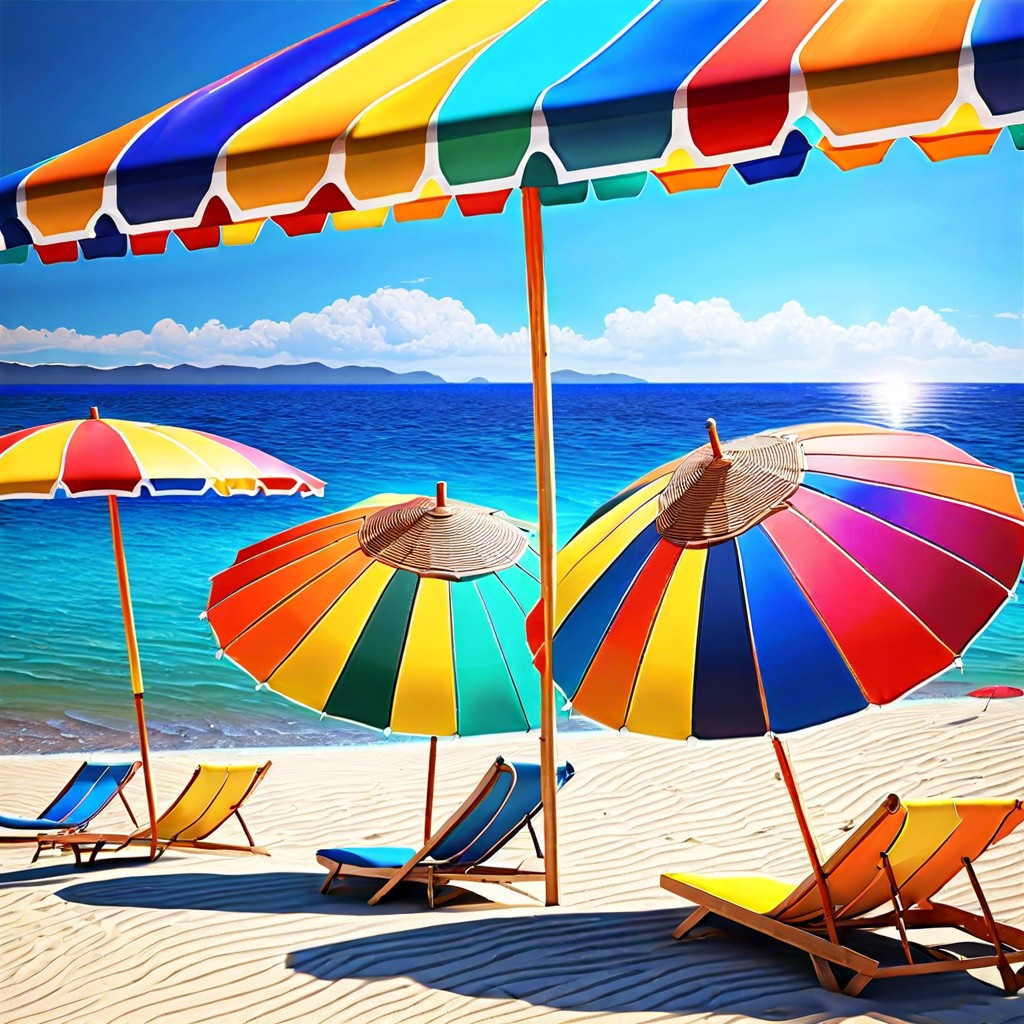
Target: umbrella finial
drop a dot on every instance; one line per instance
(441, 506)
(94, 413)
(716, 444)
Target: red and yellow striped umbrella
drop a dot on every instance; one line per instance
(120, 458)
(94, 457)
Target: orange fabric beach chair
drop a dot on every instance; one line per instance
(214, 794)
(886, 874)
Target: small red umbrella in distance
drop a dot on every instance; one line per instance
(988, 693)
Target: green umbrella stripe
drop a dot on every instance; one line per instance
(508, 622)
(365, 688)
(487, 702)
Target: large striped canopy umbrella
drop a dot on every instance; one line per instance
(419, 102)
(120, 458)
(405, 614)
(780, 581)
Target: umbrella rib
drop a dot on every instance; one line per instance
(647, 642)
(881, 586)
(298, 643)
(59, 479)
(277, 568)
(821, 619)
(501, 651)
(601, 540)
(750, 634)
(284, 600)
(455, 661)
(927, 494)
(299, 536)
(916, 536)
(401, 653)
(212, 476)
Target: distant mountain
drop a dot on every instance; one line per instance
(478, 380)
(575, 377)
(292, 373)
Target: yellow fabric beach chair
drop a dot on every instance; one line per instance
(886, 874)
(214, 794)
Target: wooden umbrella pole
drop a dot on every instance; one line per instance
(544, 455)
(134, 665)
(429, 812)
(805, 831)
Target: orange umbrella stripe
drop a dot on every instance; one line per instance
(262, 647)
(242, 607)
(243, 573)
(618, 657)
(984, 487)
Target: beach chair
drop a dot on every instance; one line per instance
(214, 794)
(886, 874)
(505, 801)
(84, 795)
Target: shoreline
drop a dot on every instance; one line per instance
(369, 739)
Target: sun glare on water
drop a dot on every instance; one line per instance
(895, 400)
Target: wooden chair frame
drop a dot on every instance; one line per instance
(96, 841)
(826, 954)
(438, 875)
(34, 840)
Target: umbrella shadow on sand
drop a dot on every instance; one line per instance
(627, 962)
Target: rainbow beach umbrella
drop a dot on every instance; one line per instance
(405, 614)
(780, 581)
(115, 458)
(421, 107)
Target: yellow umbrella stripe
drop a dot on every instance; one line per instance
(662, 699)
(634, 514)
(424, 700)
(302, 128)
(230, 464)
(261, 635)
(309, 674)
(33, 464)
(160, 457)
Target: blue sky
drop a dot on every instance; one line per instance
(909, 269)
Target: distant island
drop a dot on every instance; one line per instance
(575, 377)
(285, 373)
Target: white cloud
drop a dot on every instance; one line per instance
(1009, 316)
(948, 309)
(709, 340)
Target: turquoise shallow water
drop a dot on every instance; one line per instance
(63, 676)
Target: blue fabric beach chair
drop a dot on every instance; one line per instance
(506, 800)
(86, 793)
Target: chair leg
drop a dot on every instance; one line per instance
(331, 878)
(691, 922)
(856, 984)
(1009, 977)
(826, 976)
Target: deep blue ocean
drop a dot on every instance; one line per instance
(63, 675)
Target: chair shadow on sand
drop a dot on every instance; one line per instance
(257, 892)
(628, 962)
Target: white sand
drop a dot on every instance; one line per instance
(229, 939)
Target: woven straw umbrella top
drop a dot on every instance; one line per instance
(441, 538)
(721, 490)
